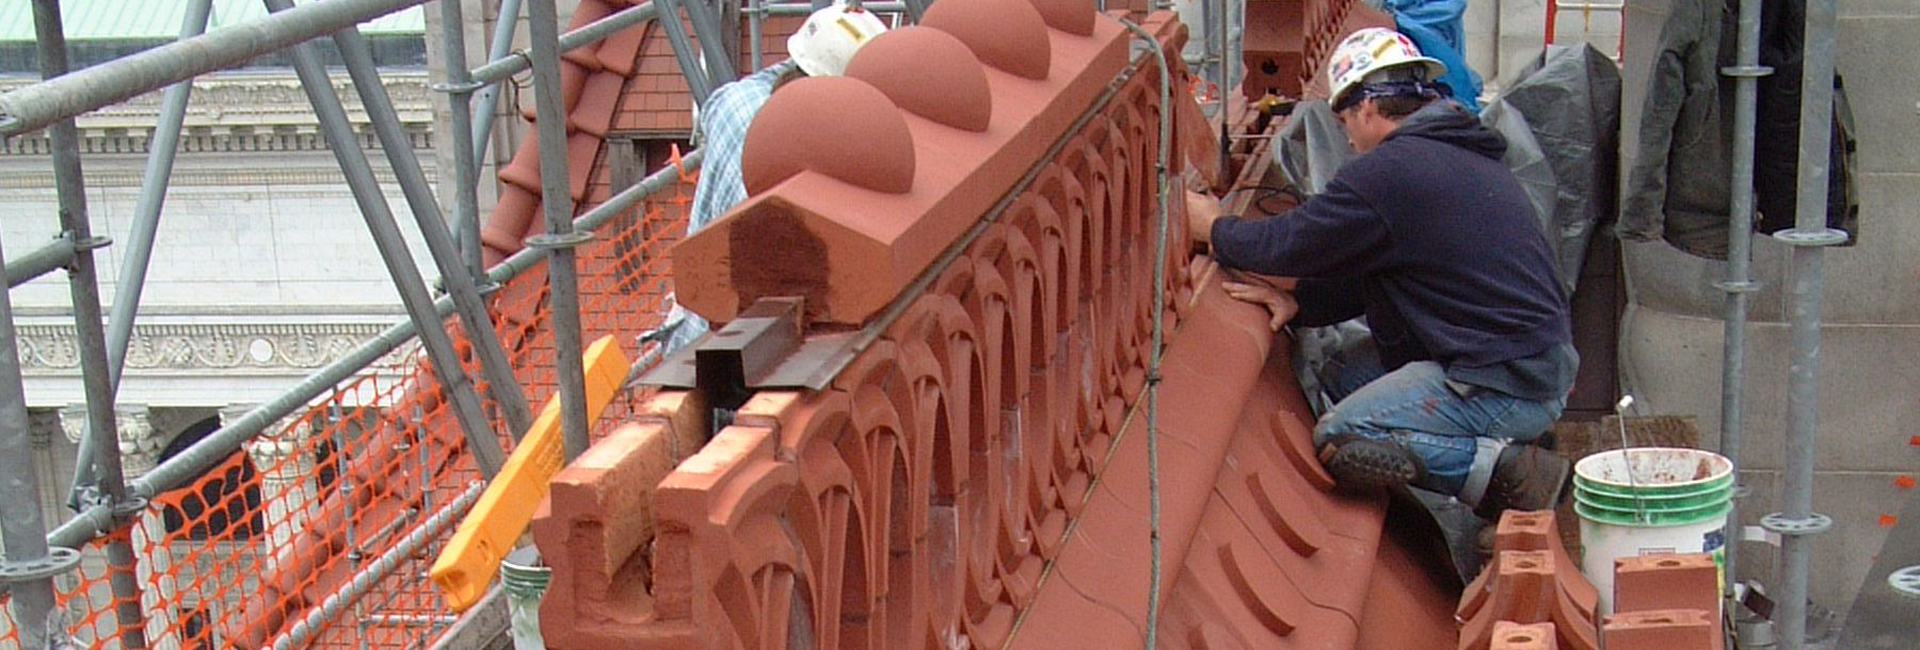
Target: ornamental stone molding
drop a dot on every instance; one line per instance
(35, 179)
(238, 112)
(286, 348)
(139, 447)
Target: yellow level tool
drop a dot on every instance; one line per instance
(468, 563)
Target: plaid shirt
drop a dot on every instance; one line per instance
(721, 131)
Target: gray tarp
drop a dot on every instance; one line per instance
(1530, 166)
(1312, 146)
(1570, 99)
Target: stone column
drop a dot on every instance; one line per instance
(139, 452)
(280, 454)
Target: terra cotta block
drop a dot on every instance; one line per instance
(1514, 636)
(1670, 629)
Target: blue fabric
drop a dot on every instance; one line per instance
(1416, 407)
(721, 132)
(1435, 27)
(1437, 240)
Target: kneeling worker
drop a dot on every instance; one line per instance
(1429, 236)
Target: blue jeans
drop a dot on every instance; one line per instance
(1415, 406)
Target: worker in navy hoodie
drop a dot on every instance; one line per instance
(1429, 237)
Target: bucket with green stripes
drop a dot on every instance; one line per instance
(1674, 500)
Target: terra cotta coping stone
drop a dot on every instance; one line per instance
(1671, 629)
(866, 243)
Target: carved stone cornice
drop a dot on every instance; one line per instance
(39, 179)
(267, 348)
(238, 112)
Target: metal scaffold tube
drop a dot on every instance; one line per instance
(83, 286)
(32, 107)
(706, 29)
(1797, 523)
(57, 254)
(487, 103)
(459, 87)
(353, 162)
(756, 15)
(506, 65)
(459, 282)
(146, 225)
(1739, 285)
(563, 278)
(22, 529)
(697, 81)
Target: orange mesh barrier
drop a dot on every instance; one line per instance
(262, 539)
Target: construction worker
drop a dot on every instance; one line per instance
(1429, 237)
(820, 48)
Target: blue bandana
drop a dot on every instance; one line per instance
(1427, 89)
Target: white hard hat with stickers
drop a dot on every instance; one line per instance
(827, 41)
(1371, 50)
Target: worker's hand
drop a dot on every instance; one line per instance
(1280, 305)
(1202, 210)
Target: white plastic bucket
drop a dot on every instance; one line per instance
(1676, 501)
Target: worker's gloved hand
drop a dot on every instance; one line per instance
(1202, 209)
(1280, 305)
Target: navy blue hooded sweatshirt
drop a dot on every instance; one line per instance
(1432, 239)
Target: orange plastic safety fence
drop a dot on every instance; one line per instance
(267, 535)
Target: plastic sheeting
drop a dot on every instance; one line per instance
(1312, 146)
(1568, 99)
(1530, 166)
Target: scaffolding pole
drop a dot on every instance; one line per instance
(508, 64)
(146, 224)
(563, 280)
(1739, 284)
(22, 529)
(706, 29)
(459, 87)
(83, 285)
(32, 107)
(1797, 523)
(756, 14)
(57, 254)
(457, 278)
(488, 99)
(697, 81)
(393, 252)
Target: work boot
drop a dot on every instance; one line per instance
(1358, 462)
(1525, 477)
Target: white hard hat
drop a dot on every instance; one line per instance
(829, 38)
(1371, 50)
